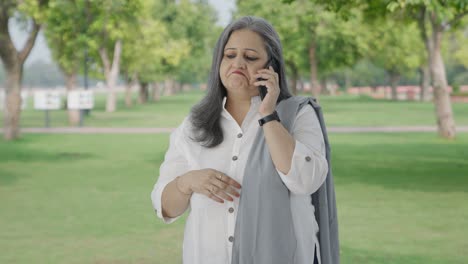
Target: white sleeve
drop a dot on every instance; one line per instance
(309, 165)
(174, 164)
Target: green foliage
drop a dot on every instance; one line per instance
(148, 45)
(35, 9)
(66, 33)
(339, 42)
(193, 24)
(108, 22)
(396, 47)
(171, 40)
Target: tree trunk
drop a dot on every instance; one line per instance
(443, 105)
(314, 83)
(143, 93)
(111, 72)
(177, 87)
(294, 77)
(394, 80)
(156, 92)
(12, 110)
(294, 83)
(169, 86)
(73, 114)
(128, 93)
(425, 71)
(301, 84)
(347, 75)
(323, 85)
(424, 82)
(13, 61)
(130, 82)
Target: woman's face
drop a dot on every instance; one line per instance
(244, 55)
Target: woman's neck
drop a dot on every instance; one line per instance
(238, 107)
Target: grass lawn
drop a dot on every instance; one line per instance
(85, 199)
(339, 111)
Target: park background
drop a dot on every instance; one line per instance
(71, 194)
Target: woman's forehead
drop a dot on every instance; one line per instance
(245, 39)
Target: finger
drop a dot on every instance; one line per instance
(220, 193)
(232, 182)
(226, 188)
(262, 83)
(269, 70)
(218, 175)
(269, 84)
(224, 178)
(265, 76)
(212, 196)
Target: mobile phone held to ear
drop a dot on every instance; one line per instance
(262, 89)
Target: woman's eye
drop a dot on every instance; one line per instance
(230, 56)
(251, 58)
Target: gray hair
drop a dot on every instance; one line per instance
(205, 116)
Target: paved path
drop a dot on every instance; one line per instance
(146, 130)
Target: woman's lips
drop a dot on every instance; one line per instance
(238, 72)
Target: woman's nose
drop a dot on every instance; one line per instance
(239, 62)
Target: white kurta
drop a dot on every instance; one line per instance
(210, 225)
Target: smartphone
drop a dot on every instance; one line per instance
(262, 89)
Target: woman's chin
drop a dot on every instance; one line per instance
(238, 86)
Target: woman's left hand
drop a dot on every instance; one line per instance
(271, 82)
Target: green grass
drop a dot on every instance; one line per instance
(364, 111)
(85, 199)
(170, 110)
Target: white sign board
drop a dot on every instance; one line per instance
(24, 100)
(82, 99)
(47, 100)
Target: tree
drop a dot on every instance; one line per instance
(32, 12)
(195, 21)
(109, 23)
(65, 33)
(149, 50)
(434, 18)
(396, 48)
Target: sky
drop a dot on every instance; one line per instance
(41, 52)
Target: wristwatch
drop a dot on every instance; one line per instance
(268, 118)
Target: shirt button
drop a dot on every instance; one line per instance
(308, 159)
(239, 135)
(234, 158)
(231, 238)
(231, 210)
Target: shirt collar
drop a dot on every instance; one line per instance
(254, 100)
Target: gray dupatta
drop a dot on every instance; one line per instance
(264, 232)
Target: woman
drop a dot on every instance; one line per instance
(218, 159)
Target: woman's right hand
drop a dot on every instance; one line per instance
(212, 183)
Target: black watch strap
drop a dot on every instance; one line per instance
(268, 118)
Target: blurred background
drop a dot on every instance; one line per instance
(90, 90)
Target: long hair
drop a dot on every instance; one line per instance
(205, 116)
